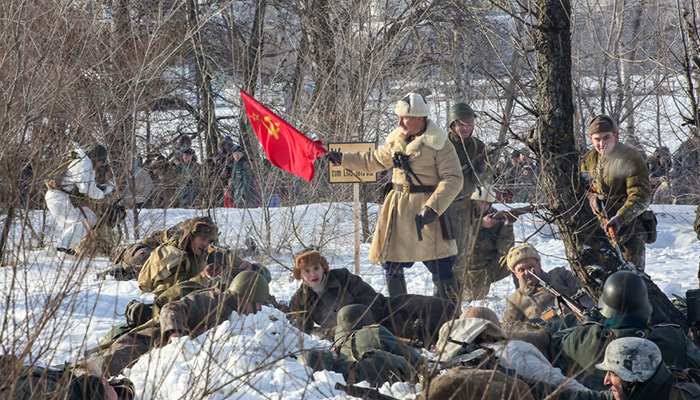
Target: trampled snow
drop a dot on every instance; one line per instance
(248, 357)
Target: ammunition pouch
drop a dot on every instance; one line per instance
(648, 221)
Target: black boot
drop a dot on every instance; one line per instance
(396, 286)
(448, 289)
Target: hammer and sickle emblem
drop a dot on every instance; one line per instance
(273, 128)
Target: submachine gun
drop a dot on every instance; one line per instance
(563, 302)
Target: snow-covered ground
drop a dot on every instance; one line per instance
(52, 308)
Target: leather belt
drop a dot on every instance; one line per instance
(406, 188)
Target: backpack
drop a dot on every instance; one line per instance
(687, 381)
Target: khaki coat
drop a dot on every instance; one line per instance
(623, 177)
(528, 302)
(435, 162)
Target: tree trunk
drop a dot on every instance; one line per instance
(590, 255)
(206, 97)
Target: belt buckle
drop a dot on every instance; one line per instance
(406, 188)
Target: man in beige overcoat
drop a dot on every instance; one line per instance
(426, 178)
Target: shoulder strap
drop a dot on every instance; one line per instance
(56, 176)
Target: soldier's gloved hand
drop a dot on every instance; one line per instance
(593, 200)
(615, 223)
(428, 215)
(335, 157)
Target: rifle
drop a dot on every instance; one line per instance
(363, 392)
(609, 232)
(418, 344)
(514, 213)
(581, 312)
(476, 164)
(471, 359)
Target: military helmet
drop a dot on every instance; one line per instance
(354, 316)
(459, 111)
(263, 271)
(251, 286)
(631, 358)
(625, 293)
(483, 193)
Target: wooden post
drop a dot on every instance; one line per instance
(356, 220)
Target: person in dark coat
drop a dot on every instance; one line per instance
(634, 371)
(325, 291)
(626, 306)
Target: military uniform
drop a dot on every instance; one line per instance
(341, 288)
(529, 302)
(578, 349)
(467, 150)
(623, 178)
(465, 383)
(437, 181)
(374, 366)
(168, 265)
(44, 383)
(408, 316)
(486, 262)
(353, 344)
(191, 315)
(66, 195)
(662, 385)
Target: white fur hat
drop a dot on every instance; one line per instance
(483, 193)
(412, 105)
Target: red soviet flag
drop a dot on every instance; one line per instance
(286, 147)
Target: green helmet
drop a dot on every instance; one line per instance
(625, 293)
(354, 316)
(251, 286)
(263, 271)
(459, 111)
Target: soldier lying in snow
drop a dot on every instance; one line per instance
(191, 315)
(325, 291)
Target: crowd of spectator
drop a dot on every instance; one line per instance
(225, 180)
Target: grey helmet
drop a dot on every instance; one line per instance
(625, 293)
(354, 316)
(631, 358)
(459, 111)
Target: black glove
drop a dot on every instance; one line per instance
(428, 215)
(335, 157)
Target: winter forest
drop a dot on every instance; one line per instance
(157, 83)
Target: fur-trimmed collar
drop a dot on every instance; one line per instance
(433, 137)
